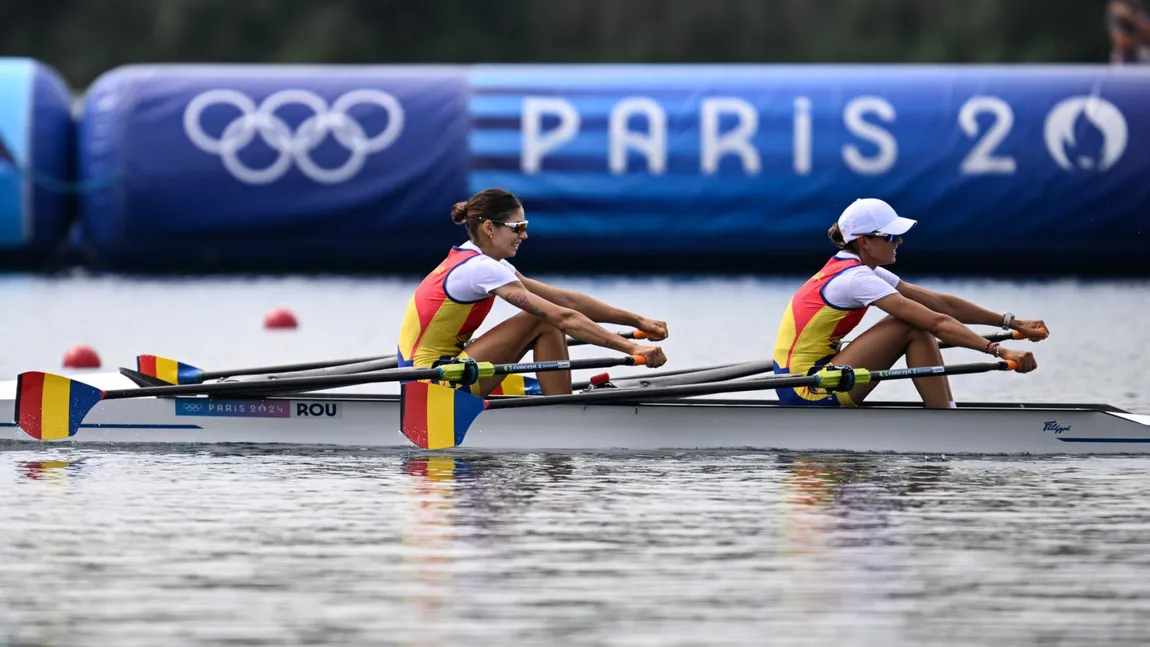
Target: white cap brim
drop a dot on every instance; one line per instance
(899, 226)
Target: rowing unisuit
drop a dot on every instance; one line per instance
(450, 304)
(823, 311)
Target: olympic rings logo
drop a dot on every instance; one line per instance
(191, 406)
(293, 145)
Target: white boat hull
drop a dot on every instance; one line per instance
(365, 421)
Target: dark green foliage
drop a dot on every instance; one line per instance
(83, 38)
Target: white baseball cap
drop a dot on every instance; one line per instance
(872, 216)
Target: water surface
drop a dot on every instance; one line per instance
(236, 545)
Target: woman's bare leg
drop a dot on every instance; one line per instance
(880, 347)
(509, 341)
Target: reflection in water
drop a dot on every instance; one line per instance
(839, 543)
(428, 533)
(615, 548)
(46, 490)
(56, 471)
(460, 513)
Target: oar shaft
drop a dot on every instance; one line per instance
(825, 379)
(568, 365)
(630, 334)
(290, 368)
(303, 384)
(579, 386)
(931, 371)
(380, 364)
(654, 377)
(1004, 335)
(374, 360)
(747, 369)
(287, 384)
(656, 393)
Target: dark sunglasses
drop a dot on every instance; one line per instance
(890, 238)
(518, 227)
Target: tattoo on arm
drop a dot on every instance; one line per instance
(520, 300)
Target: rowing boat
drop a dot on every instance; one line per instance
(372, 420)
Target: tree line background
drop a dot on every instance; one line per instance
(84, 38)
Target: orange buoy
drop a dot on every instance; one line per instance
(81, 357)
(280, 318)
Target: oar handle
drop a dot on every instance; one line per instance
(630, 334)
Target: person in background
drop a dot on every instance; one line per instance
(1128, 22)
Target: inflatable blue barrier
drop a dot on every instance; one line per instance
(745, 167)
(268, 167)
(1015, 169)
(36, 144)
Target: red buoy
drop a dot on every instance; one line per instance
(280, 318)
(81, 357)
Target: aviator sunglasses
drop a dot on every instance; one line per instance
(517, 227)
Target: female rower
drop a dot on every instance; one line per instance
(832, 302)
(452, 302)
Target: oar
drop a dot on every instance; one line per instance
(1004, 335)
(437, 417)
(746, 369)
(175, 372)
(701, 372)
(579, 386)
(52, 406)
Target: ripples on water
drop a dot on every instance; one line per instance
(274, 546)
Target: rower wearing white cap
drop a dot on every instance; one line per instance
(833, 302)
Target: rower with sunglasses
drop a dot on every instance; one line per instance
(833, 302)
(451, 303)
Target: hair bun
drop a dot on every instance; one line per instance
(836, 236)
(459, 213)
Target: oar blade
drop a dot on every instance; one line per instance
(168, 370)
(51, 407)
(437, 417)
